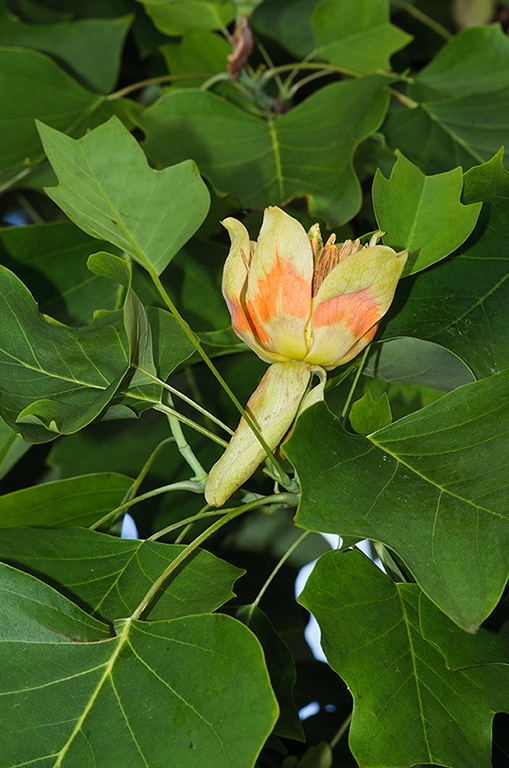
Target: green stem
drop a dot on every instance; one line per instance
(171, 413)
(185, 449)
(183, 485)
(188, 400)
(331, 69)
(428, 21)
(155, 81)
(275, 571)
(206, 534)
(406, 100)
(283, 477)
(181, 523)
(345, 410)
(341, 731)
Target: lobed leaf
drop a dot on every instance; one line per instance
(55, 379)
(356, 34)
(422, 213)
(108, 576)
(430, 486)
(107, 188)
(155, 684)
(463, 110)
(408, 707)
(471, 322)
(306, 152)
(89, 48)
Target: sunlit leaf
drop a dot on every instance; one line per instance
(429, 486)
(409, 708)
(422, 213)
(305, 152)
(463, 109)
(367, 415)
(202, 52)
(470, 320)
(175, 17)
(107, 188)
(356, 34)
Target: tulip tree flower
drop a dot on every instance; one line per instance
(299, 305)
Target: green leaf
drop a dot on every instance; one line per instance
(281, 670)
(471, 322)
(34, 613)
(51, 260)
(288, 22)
(417, 362)
(306, 152)
(104, 176)
(367, 415)
(461, 649)
(409, 708)
(202, 52)
(33, 86)
(109, 577)
(176, 17)
(158, 686)
(55, 379)
(428, 486)
(79, 501)
(89, 48)
(12, 448)
(463, 106)
(356, 34)
(422, 213)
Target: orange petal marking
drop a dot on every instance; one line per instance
(358, 311)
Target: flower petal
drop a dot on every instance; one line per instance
(273, 407)
(235, 282)
(278, 296)
(352, 299)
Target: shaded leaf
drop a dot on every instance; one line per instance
(158, 686)
(176, 17)
(89, 48)
(306, 152)
(202, 52)
(461, 649)
(414, 361)
(55, 379)
(51, 260)
(34, 613)
(33, 86)
(281, 670)
(109, 577)
(409, 708)
(12, 448)
(107, 188)
(472, 322)
(428, 486)
(288, 22)
(78, 501)
(463, 108)
(356, 34)
(422, 213)
(367, 415)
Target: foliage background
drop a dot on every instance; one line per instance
(125, 140)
